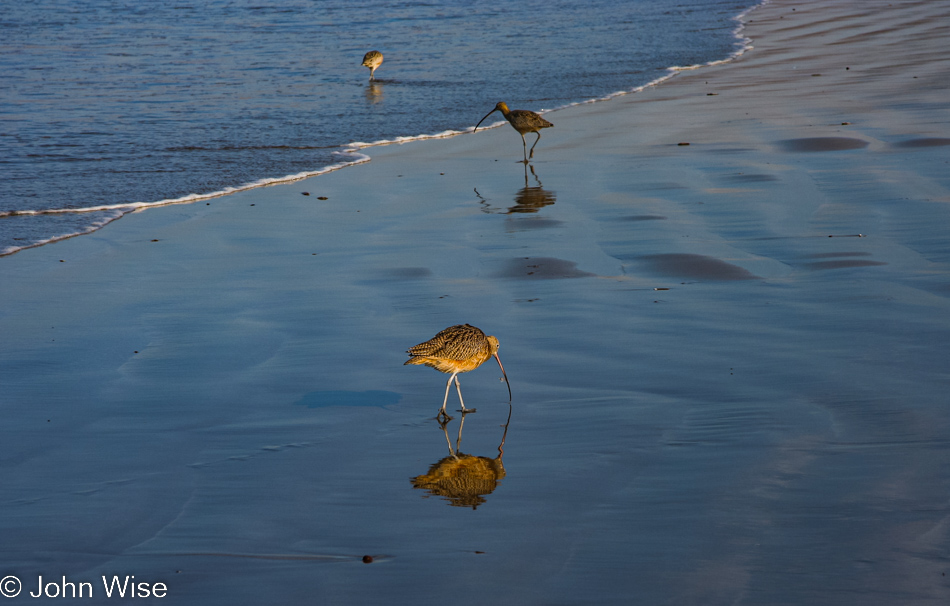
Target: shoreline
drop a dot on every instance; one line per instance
(353, 149)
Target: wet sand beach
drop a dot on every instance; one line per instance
(723, 305)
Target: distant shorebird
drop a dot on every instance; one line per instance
(523, 121)
(457, 349)
(372, 60)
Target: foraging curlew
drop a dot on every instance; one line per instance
(523, 121)
(457, 349)
(372, 60)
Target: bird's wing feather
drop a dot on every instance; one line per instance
(455, 343)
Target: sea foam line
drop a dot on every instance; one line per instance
(133, 206)
(130, 207)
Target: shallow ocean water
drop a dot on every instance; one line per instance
(108, 103)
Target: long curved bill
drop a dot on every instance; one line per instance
(505, 375)
(476, 128)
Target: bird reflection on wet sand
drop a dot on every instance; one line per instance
(528, 199)
(463, 480)
(531, 199)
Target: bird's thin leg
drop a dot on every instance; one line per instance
(448, 386)
(524, 146)
(531, 155)
(459, 388)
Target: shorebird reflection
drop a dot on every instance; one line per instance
(463, 480)
(528, 199)
(373, 92)
(531, 199)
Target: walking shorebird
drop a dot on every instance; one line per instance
(455, 350)
(523, 121)
(372, 60)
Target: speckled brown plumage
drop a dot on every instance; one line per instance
(457, 349)
(523, 121)
(372, 60)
